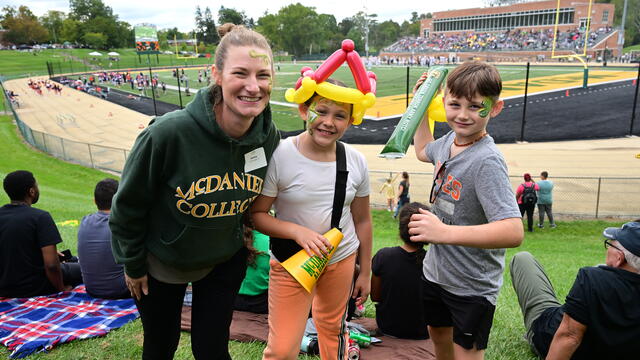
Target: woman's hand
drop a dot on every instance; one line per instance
(361, 289)
(137, 286)
(421, 80)
(312, 242)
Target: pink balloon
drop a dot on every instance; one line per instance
(299, 83)
(305, 69)
(358, 71)
(330, 65)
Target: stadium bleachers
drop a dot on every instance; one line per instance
(509, 40)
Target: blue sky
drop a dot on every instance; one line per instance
(168, 14)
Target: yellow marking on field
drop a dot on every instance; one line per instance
(396, 104)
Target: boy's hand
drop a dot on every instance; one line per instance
(421, 80)
(426, 227)
(312, 242)
(361, 289)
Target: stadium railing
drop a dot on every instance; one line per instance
(572, 195)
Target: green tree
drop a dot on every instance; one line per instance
(95, 40)
(71, 31)
(294, 28)
(210, 30)
(52, 21)
(199, 20)
(386, 34)
(84, 10)
(22, 26)
(231, 15)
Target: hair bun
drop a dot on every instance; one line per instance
(226, 28)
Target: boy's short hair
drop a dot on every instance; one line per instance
(103, 194)
(475, 77)
(405, 217)
(18, 183)
(544, 174)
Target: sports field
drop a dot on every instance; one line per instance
(392, 85)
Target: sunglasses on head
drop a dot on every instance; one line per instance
(438, 182)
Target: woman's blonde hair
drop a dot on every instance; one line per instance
(232, 35)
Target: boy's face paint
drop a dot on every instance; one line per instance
(487, 106)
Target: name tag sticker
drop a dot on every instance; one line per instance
(254, 160)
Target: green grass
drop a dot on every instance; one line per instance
(66, 192)
(631, 48)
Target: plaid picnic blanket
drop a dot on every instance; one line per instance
(39, 323)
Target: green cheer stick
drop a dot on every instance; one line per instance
(400, 140)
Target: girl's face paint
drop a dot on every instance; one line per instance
(487, 106)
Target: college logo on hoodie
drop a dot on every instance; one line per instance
(213, 183)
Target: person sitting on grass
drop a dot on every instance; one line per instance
(601, 316)
(103, 278)
(29, 260)
(395, 283)
(253, 295)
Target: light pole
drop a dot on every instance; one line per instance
(621, 33)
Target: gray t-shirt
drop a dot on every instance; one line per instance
(476, 191)
(102, 277)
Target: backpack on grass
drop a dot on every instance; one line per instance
(529, 194)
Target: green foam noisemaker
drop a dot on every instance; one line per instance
(400, 140)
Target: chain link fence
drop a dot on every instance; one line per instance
(572, 195)
(575, 196)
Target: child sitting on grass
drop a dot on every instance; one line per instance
(396, 284)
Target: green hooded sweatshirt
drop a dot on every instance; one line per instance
(185, 187)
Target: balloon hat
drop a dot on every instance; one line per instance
(312, 82)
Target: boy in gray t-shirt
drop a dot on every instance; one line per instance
(475, 215)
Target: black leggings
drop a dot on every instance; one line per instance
(212, 310)
(528, 208)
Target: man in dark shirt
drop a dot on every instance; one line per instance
(601, 316)
(103, 278)
(29, 263)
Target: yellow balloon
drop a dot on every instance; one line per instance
(436, 112)
(339, 93)
(303, 93)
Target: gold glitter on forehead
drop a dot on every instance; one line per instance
(254, 54)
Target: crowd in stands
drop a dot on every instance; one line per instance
(509, 40)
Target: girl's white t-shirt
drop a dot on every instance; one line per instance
(304, 190)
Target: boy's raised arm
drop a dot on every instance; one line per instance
(422, 138)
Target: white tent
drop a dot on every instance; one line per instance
(113, 53)
(95, 53)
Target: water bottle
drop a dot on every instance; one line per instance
(309, 345)
(362, 339)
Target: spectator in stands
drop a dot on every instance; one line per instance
(103, 278)
(29, 260)
(601, 315)
(527, 198)
(177, 215)
(253, 295)
(396, 283)
(545, 199)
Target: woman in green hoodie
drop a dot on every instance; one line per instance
(190, 177)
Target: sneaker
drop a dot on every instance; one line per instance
(540, 226)
(553, 225)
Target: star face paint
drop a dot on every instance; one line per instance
(254, 54)
(487, 106)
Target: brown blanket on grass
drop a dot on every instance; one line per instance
(248, 327)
